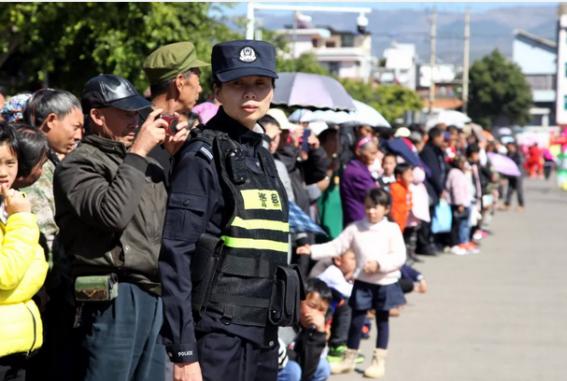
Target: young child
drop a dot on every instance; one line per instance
(458, 190)
(339, 277)
(305, 351)
(388, 165)
(380, 253)
(22, 266)
(401, 195)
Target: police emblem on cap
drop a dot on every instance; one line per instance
(247, 54)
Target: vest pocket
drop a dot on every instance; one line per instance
(286, 295)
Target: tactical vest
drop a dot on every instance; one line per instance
(240, 275)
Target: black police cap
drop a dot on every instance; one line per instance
(235, 59)
(109, 90)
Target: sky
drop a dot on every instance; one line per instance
(239, 8)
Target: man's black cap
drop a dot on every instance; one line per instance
(235, 59)
(109, 90)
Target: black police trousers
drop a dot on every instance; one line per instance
(224, 357)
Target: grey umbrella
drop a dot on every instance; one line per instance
(311, 91)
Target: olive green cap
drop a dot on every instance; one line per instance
(168, 61)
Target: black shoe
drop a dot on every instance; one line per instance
(427, 250)
(414, 258)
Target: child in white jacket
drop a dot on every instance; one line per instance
(380, 253)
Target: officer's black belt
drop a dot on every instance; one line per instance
(247, 267)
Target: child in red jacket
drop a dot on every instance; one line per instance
(401, 195)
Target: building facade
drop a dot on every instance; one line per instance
(536, 57)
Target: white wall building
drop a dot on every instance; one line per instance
(345, 54)
(561, 79)
(442, 73)
(536, 57)
(399, 65)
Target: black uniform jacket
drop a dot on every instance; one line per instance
(196, 205)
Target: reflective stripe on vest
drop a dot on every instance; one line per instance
(261, 224)
(255, 244)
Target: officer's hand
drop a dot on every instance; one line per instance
(150, 134)
(187, 372)
(173, 143)
(303, 250)
(14, 201)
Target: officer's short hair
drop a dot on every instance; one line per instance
(49, 101)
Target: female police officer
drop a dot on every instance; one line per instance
(226, 233)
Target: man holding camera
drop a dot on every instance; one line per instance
(110, 202)
(173, 71)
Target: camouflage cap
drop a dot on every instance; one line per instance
(168, 61)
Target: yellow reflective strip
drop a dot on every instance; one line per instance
(266, 199)
(256, 244)
(261, 224)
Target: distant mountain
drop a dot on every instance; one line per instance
(491, 29)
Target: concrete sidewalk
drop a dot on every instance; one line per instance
(500, 315)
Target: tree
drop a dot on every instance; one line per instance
(64, 44)
(392, 101)
(498, 90)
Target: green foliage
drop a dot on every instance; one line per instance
(392, 101)
(498, 89)
(64, 44)
(306, 63)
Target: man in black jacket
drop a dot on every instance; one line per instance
(433, 157)
(110, 206)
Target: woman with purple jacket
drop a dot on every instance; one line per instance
(357, 180)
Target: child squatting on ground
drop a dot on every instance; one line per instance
(302, 348)
(380, 253)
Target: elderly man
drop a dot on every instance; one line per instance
(110, 205)
(173, 72)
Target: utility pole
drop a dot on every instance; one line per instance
(466, 58)
(433, 36)
(251, 20)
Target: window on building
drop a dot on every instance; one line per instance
(347, 40)
(565, 102)
(565, 69)
(334, 68)
(330, 44)
(542, 81)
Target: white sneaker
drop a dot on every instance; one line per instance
(457, 250)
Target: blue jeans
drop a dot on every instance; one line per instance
(119, 339)
(292, 371)
(460, 229)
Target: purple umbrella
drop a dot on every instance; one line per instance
(504, 165)
(206, 111)
(311, 91)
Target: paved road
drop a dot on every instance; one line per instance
(500, 315)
